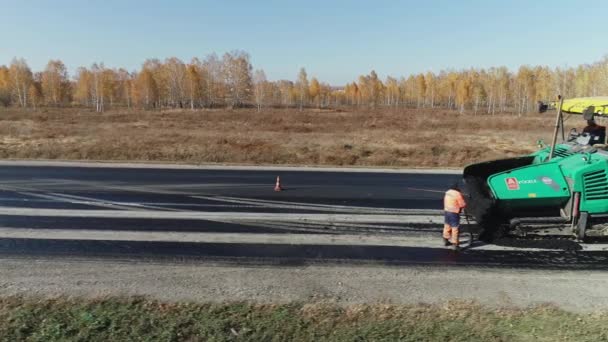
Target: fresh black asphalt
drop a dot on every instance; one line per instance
(86, 188)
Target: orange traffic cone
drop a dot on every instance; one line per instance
(277, 186)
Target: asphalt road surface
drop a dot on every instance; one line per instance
(235, 216)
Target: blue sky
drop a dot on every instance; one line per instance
(334, 40)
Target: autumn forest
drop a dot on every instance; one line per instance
(231, 81)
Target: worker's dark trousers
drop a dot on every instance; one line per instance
(451, 227)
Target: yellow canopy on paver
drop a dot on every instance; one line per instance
(579, 104)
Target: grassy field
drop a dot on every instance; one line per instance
(387, 137)
(62, 319)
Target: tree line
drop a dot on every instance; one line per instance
(231, 81)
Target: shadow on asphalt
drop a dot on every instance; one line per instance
(138, 224)
(297, 255)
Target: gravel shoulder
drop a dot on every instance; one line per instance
(207, 282)
(113, 164)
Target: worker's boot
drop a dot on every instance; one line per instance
(446, 242)
(456, 247)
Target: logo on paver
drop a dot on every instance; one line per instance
(512, 183)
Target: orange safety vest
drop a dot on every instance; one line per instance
(453, 201)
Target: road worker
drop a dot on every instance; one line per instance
(453, 204)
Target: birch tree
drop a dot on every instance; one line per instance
(237, 71)
(54, 82)
(463, 92)
(83, 90)
(5, 86)
(214, 85)
(146, 90)
(420, 90)
(174, 72)
(193, 84)
(315, 92)
(261, 88)
(97, 83)
(302, 87)
(21, 78)
(392, 91)
(35, 94)
(124, 87)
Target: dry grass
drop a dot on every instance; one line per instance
(140, 319)
(405, 137)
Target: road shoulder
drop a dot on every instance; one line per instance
(344, 284)
(174, 166)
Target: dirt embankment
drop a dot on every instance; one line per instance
(387, 137)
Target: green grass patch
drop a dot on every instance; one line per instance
(139, 319)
